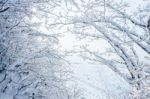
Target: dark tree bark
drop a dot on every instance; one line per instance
(4, 10)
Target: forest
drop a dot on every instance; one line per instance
(74, 49)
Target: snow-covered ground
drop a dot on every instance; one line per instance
(97, 81)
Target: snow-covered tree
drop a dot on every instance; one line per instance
(31, 66)
(127, 35)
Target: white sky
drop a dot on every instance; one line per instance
(69, 42)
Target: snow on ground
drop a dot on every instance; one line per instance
(98, 81)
